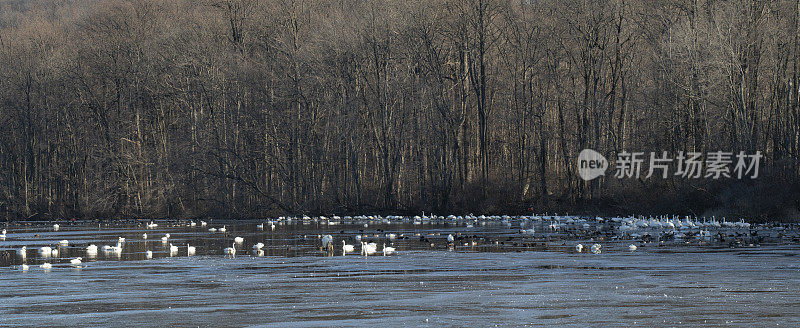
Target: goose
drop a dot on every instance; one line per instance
(230, 250)
(632, 247)
(387, 250)
(190, 250)
(212, 229)
(579, 248)
(347, 248)
(258, 246)
(45, 251)
(23, 251)
(238, 240)
(91, 249)
(165, 238)
(144, 236)
(46, 266)
(148, 254)
(173, 249)
(596, 248)
(63, 243)
(56, 227)
(76, 261)
(223, 229)
(24, 267)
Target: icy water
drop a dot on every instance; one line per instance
(424, 283)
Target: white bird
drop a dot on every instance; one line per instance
(173, 249)
(203, 223)
(91, 249)
(165, 238)
(596, 248)
(152, 225)
(450, 239)
(258, 246)
(63, 243)
(369, 248)
(45, 251)
(347, 248)
(327, 241)
(56, 227)
(387, 250)
(121, 239)
(115, 249)
(230, 250)
(238, 240)
(76, 261)
(192, 223)
(272, 226)
(46, 266)
(212, 229)
(144, 236)
(190, 250)
(579, 248)
(632, 247)
(148, 254)
(223, 229)
(23, 251)
(23, 267)
(54, 252)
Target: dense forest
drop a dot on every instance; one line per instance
(249, 108)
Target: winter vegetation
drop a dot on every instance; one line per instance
(250, 108)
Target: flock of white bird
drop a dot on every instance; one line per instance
(627, 226)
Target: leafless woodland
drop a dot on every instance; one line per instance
(247, 108)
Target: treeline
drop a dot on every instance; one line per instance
(247, 108)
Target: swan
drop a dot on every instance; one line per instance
(45, 251)
(579, 248)
(56, 227)
(258, 246)
(63, 243)
(76, 261)
(165, 238)
(173, 249)
(190, 250)
(212, 230)
(230, 250)
(596, 248)
(23, 267)
(387, 250)
(369, 248)
(23, 251)
(46, 266)
(144, 236)
(327, 242)
(91, 249)
(238, 240)
(223, 229)
(632, 247)
(152, 225)
(347, 248)
(148, 254)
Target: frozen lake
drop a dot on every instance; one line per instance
(294, 284)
